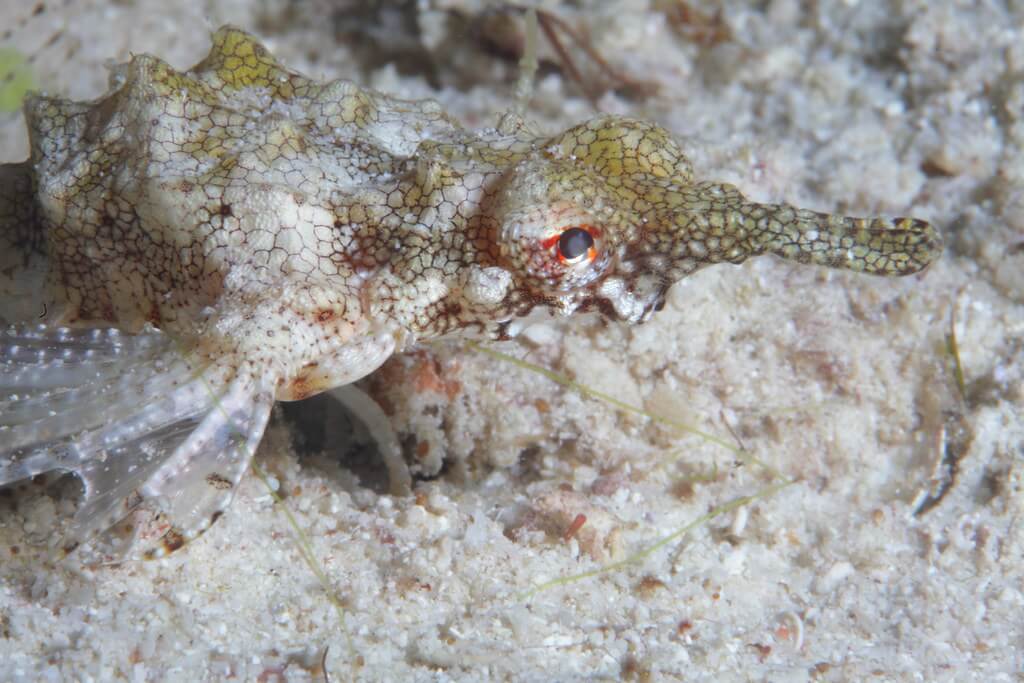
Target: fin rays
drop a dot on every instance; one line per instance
(153, 437)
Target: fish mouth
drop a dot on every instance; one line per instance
(631, 299)
(617, 298)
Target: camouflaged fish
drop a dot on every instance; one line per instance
(180, 253)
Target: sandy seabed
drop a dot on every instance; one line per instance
(897, 554)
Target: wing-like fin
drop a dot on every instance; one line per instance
(195, 485)
(58, 383)
(154, 435)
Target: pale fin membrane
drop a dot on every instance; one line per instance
(362, 406)
(154, 436)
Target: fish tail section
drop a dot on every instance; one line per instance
(23, 257)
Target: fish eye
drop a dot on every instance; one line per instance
(575, 244)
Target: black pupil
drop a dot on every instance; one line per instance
(574, 242)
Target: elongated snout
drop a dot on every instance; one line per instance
(721, 225)
(879, 246)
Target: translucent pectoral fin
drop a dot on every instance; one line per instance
(195, 485)
(154, 435)
(376, 421)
